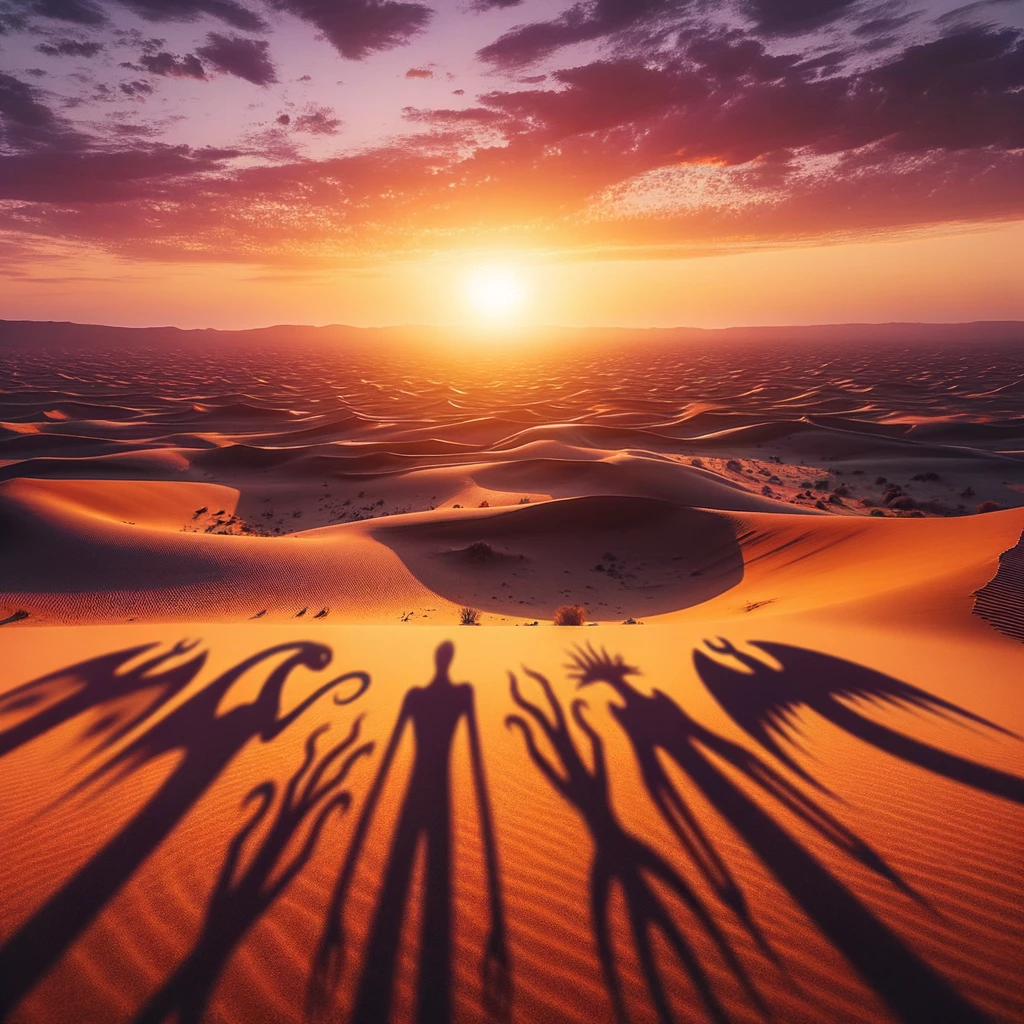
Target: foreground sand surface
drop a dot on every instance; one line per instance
(254, 770)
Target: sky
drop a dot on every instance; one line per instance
(236, 163)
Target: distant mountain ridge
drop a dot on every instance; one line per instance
(61, 334)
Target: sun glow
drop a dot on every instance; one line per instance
(495, 293)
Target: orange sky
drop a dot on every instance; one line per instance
(969, 275)
(236, 163)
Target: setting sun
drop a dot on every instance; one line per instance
(497, 293)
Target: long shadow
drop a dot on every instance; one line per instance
(136, 694)
(241, 896)
(655, 725)
(207, 742)
(433, 712)
(621, 858)
(764, 701)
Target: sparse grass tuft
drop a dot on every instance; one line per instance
(570, 615)
(469, 617)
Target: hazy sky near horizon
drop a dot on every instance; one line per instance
(238, 162)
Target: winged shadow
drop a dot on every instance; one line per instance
(657, 726)
(764, 702)
(132, 695)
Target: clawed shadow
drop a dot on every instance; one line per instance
(622, 858)
(241, 896)
(433, 713)
(206, 743)
(132, 695)
(764, 701)
(658, 727)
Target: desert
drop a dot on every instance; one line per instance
(256, 768)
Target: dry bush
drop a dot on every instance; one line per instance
(469, 617)
(570, 615)
(989, 506)
(480, 551)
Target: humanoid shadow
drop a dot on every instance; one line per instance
(621, 858)
(433, 713)
(656, 726)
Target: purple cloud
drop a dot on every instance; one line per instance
(239, 56)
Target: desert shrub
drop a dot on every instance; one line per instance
(484, 504)
(570, 615)
(842, 491)
(805, 485)
(989, 506)
(880, 480)
(767, 491)
(733, 466)
(820, 504)
(834, 499)
(927, 477)
(967, 492)
(892, 492)
(823, 484)
(868, 502)
(877, 512)
(480, 551)
(524, 501)
(469, 617)
(904, 502)
(699, 463)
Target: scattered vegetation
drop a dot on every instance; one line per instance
(484, 504)
(989, 506)
(927, 477)
(632, 622)
(469, 616)
(733, 466)
(877, 512)
(480, 551)
(570, 615)
(699, 463)
(524, 501)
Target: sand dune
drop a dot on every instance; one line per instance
(224, 575)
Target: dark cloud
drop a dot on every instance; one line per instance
(794, 17)
(317, 121)
(527, 44)
(79, 12)
(18, 104)
(90, 12)
(70, 48)
(357, 28)
(239, 56)
(104, 177)
(171, 65)
(419, 73)
(136, 88)
(231, 13)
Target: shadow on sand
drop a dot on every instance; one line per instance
(658, 728)
(433, 713)
(128, 697)
(206, 743)
(241, 895)
(621, 858)
(764, 701)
